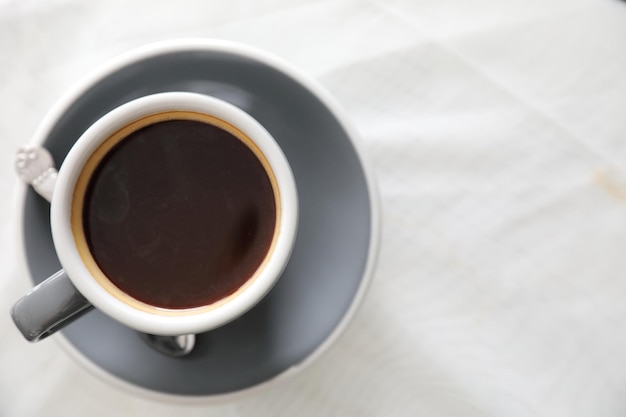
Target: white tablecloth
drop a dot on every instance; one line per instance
(497, 133)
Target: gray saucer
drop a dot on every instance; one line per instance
(331, 261)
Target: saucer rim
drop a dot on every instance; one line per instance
(317, 90)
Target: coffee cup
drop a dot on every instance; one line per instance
(174, 213)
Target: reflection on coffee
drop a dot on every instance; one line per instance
(179, 210)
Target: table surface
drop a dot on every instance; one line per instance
(497, 135)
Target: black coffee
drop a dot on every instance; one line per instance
(179, 214)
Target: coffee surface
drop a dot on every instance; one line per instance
(179, 214)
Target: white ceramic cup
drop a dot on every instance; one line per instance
(62, 297)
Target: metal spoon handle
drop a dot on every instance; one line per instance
(35, 166)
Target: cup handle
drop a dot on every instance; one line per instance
(49, 307)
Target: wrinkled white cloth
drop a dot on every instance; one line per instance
(497, 133)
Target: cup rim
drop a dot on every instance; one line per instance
(192, 320)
